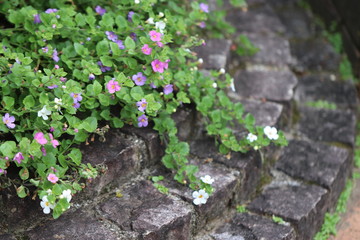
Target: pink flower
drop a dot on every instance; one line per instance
(160, 44)
(39, 137)
(155, 36)
(18, 157)
(146, 49)
(159, 66)
(113, 86)
(52, 178)
(53, 141)
(43, 150)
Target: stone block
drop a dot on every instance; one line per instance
(273, 50)
(261, 19)
(270, 85)
(7, 237)
(248, 164)
(251, 226)
(327, 125)
(298, 23)
(304, 206)
(226, 185)
(327, 166)
(155, 147)
(315, 55)
(151, 214)
(123, 156)
(317, 87)
(185, 119)
(215, 53)
(78, 225)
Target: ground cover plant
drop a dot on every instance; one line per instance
(74, 68)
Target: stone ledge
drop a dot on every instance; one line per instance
(327, 166)
(270, 85)
(304, 206)
(7, 237)
(215, 53)
(320, 87)
(327, 125)
(143, 210)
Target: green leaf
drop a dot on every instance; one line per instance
(102, 48)
(137, 93)
(104, 100)
(81, 50)
(21, 191)
(9, 102)
(29, 101)
(129, 43)
(107, 21)
(89, 124)
(121, 22)
(97, 88)
(49, 160)
(80, 19)
(7, 148)
(116, 51)
(117, 123)
(24, 173)
(75, 156)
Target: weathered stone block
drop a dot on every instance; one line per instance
(7, 237)
(249, 165)
(304, 206)
(185, 119)
(261, 19)
(152, 140)
(271, 85)
(297, 22)
(320, 87)
(328, 125)
(273, 50)
(143, 209)
(251, 226)
(215, 53)
(315, 55)
(226, 184)
(78, 225)
(122, 155)
(328, 166)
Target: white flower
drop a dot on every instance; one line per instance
(214, 85)
(200, 197)
(160, 26)
(66, 194)
(43, 113)
(232, 85)
(200, 61)
(58, 101)
(251, 137)
(222, 71)
(161, 14)
(137, 1)
(46, 205)
(49, 191)
(150, 21)
(207, 179)
(271, 133)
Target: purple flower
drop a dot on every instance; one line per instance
(52, 86)
(139, 79)
(51, 10)
(45, 49)
(133, 36)
(142, 121)
(76, 96)
(99, 10)
(130, 15)
(168, 89)
(111, 36)
(9, 120)
(102, 67)
(18, 157)
(76, 105)
(55, 55)
(202, 25)
(204, 7)
(37, 19)
(91, 76)
(88, 38)
(2, 171)
(153, 85)
(120, 44)
(142, 104)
